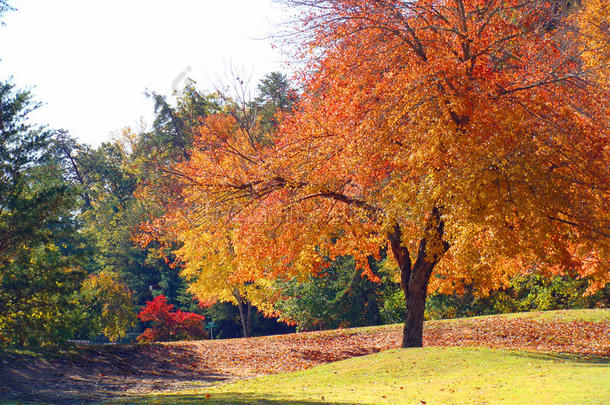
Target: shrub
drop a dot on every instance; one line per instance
(168, 325)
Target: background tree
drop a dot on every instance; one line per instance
(276, 95)
(111, 175)
(207, 254)
(109, 305)
(339, 297)
(111, 219)
(40, 251)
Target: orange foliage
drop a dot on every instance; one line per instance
(468, 134)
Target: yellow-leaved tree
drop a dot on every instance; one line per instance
(110, 304)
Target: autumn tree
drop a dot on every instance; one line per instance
(209, 267)
(471, 134)
(208, 259)
(468, 136)
(109, 304)
(204, 251)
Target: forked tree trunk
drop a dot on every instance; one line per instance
(414, 278)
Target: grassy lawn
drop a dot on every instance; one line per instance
(423, 376)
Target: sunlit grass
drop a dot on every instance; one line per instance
(423, 376)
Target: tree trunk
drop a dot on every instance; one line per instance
(249, 320)
(242, 313)
(414, 278)
(416, 303)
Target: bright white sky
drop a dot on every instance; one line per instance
(90, 62)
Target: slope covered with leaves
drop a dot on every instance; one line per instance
(97, 373)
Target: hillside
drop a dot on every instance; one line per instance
(89, 374)
(435, 375)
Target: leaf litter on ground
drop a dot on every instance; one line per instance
(97, 373)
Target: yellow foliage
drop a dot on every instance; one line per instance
(114, 302)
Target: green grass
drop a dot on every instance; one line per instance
(418, 376)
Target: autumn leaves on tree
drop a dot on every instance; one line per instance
(469, 137)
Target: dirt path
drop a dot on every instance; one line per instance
(91, 374)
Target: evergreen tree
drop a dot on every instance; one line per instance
(40, 251)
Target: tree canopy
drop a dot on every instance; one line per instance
(469, 136)
(40, 252)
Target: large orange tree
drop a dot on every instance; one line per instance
(468, 136)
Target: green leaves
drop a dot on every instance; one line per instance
(40, 252)
(339, 297)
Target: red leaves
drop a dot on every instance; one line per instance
(156, 310)
(169, 325)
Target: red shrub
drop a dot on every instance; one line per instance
(168, 325)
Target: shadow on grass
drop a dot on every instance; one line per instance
(234, 398)
(563, 357)
(94, 374)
